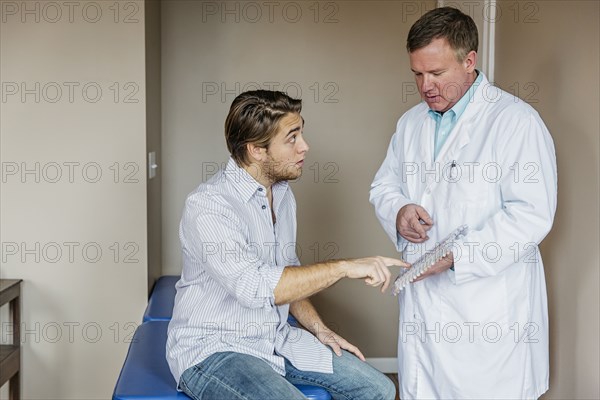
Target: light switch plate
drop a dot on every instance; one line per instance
(152, 166)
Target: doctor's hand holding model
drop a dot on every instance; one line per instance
(475, 325)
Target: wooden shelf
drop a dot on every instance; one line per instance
(9, 360)
(6, 350)
(10, 354)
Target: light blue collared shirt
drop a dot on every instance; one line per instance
(444, 123)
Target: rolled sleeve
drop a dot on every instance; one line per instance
(271, 275)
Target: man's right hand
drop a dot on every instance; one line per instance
(374, 270)
(413, 222)
(300, 282)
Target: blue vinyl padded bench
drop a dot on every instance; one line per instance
(162, 299)
(145, 374)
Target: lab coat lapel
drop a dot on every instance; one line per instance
(464, 129)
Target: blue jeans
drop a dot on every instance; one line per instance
(231, 375)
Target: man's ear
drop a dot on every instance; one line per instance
(470, 61)
(256, 153)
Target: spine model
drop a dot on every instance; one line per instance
(407, 275)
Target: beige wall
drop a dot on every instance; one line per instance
(349, 64)
(79, 309)
(550, 54)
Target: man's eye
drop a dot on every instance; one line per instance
(437, 73)
(293, 139)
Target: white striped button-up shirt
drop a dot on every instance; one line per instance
(233, 257)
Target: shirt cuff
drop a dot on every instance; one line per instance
(401, 243)
(271, 275)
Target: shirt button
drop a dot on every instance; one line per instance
(260, 189)
(263, 207)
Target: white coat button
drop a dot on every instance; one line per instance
(428, 191)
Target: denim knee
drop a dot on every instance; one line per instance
(373, 384)
(388, 389)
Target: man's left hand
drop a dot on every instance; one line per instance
(439, 267)
(337, 343)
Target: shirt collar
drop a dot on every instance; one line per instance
(459, 108)
(246, 185)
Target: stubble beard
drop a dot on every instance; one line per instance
(276, 171)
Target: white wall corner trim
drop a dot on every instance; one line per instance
(387, 365)
(489, 39)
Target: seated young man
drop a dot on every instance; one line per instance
(229, 337)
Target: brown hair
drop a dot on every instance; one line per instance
(253, 118)
(444, 22)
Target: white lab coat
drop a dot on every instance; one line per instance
(480, 331)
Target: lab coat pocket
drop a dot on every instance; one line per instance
(479, 307)
(466, 194)
(465, 205)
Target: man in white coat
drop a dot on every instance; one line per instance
(475, 325)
